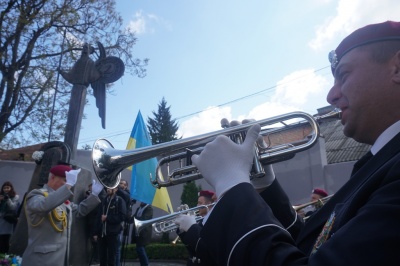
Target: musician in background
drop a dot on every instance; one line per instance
(189, 229)
(359, 224)
(109, 225)
(205, 198)
(316, 195)
(125, 194)
(91, 224)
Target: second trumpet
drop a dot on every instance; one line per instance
(165, 224)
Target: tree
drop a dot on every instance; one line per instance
(35, 38)
(190, 194)
(162, 128)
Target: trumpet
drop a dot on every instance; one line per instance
(109, 162)
(176, 240)
(165, 224)
(319, 201)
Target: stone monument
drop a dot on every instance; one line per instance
(106, 69)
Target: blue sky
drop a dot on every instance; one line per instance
(214, 59)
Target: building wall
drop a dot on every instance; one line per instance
(19, 173)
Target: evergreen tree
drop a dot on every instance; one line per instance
(162, 128)
(190, 194)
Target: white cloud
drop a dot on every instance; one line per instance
(302, 90)
(297, 87)
(138, 24)
(146, 23)
(207, 121)
(351, 15)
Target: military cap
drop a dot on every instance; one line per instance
(59, 170)
(206, 193)
(385, 31)
(319, 191)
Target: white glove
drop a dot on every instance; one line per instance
(185, 221)
(96, 188)
(269, 177)
(266, 180)
(72, 176)
(224, 164)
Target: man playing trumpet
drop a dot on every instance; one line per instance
(359, 225)
(189, 229)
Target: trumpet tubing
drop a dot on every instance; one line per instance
(166, 223)
(320, 201)
(109, 162)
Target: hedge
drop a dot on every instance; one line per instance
(157, 251)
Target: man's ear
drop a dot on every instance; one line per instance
(396, 68)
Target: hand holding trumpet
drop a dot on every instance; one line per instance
(224, 164)
(259, 182)
(185, 221)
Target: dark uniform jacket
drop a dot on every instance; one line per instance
(115, 216)
(190, 239)
(359, 225)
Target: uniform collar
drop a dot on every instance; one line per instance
(385, 137)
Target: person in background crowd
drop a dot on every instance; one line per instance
(109, 226)
(91, 223)
(359, 224)
(49, 215)
(125, 194)
(8, 205)
(143, 212)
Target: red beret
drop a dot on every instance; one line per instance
(206, 193)
(59, 170)
(320, 191)
(385, 31)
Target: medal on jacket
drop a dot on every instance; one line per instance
(325, 233)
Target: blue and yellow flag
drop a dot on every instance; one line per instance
(141, 187)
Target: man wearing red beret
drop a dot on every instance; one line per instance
(316, 195)
(189, 230)
(49, 214)
(359, 225)
(205, 198)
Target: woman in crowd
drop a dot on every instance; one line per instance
(8, 205)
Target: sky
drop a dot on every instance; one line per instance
(236, 59)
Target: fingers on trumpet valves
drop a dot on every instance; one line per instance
(184, 222)
(234, 123)
(261, 142)
(183, 207)
(224, 123)
(248, 120)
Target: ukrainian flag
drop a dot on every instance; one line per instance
(141, 188)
